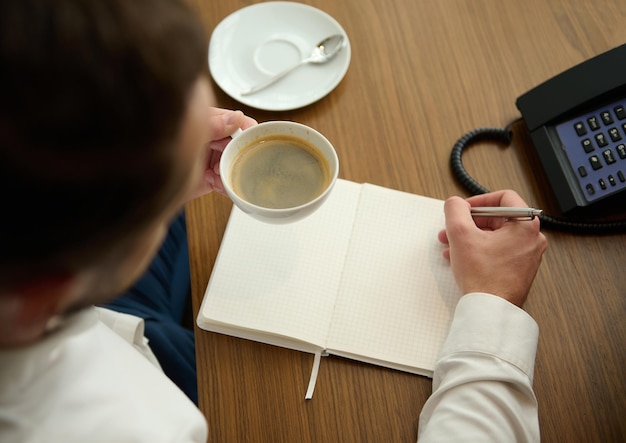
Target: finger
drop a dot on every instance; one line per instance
(248, 122)
(446, 253)
(213, 181)
(443, 237)
(214, 160)
(224, 123)
(489, 223)
(219, 145)
(498, 198)
(457, 213)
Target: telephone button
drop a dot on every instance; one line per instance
(621, 150)
(614, 134)
(594, 124)
(594, 160)
(590, 189)
(587, 145)
(580, 128)
(621, 177)
(582, 171)
(620, 111)
(609, 158)
(601, 139)
(612, 181)
(606, 117)
(602, 183)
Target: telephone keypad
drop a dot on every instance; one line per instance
(594, 145)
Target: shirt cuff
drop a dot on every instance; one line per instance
(491, 325)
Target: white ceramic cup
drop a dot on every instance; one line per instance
(244, 139)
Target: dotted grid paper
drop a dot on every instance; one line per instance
(281, 279)
(398, 293)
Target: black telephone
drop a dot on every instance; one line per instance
(577, 123)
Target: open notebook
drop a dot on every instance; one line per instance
(363, 278)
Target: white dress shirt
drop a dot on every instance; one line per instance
(482, 384)
(86, 383)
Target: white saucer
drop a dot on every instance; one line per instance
(257, 41)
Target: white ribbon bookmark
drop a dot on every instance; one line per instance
(313, 379)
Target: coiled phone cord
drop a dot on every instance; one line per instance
(505, 135)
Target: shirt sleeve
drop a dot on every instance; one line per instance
(482, 383)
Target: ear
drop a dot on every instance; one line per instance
(26, 309)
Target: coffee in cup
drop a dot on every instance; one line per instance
(279, 171)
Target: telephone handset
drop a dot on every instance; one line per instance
(577, 123)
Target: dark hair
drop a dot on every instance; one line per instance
(92, 94)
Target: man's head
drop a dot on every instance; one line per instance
(101, 108)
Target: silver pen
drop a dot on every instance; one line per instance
(508, 213)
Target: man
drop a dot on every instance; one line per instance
(105, 131)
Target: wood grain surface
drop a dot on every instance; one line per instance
(423, 73)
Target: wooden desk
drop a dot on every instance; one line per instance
(423, 73)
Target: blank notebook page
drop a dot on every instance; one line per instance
(397, 294)
(282, 279)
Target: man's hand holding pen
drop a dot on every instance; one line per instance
(486, 253)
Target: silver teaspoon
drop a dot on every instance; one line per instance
(323, 52)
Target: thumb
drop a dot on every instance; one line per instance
(225, 123)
